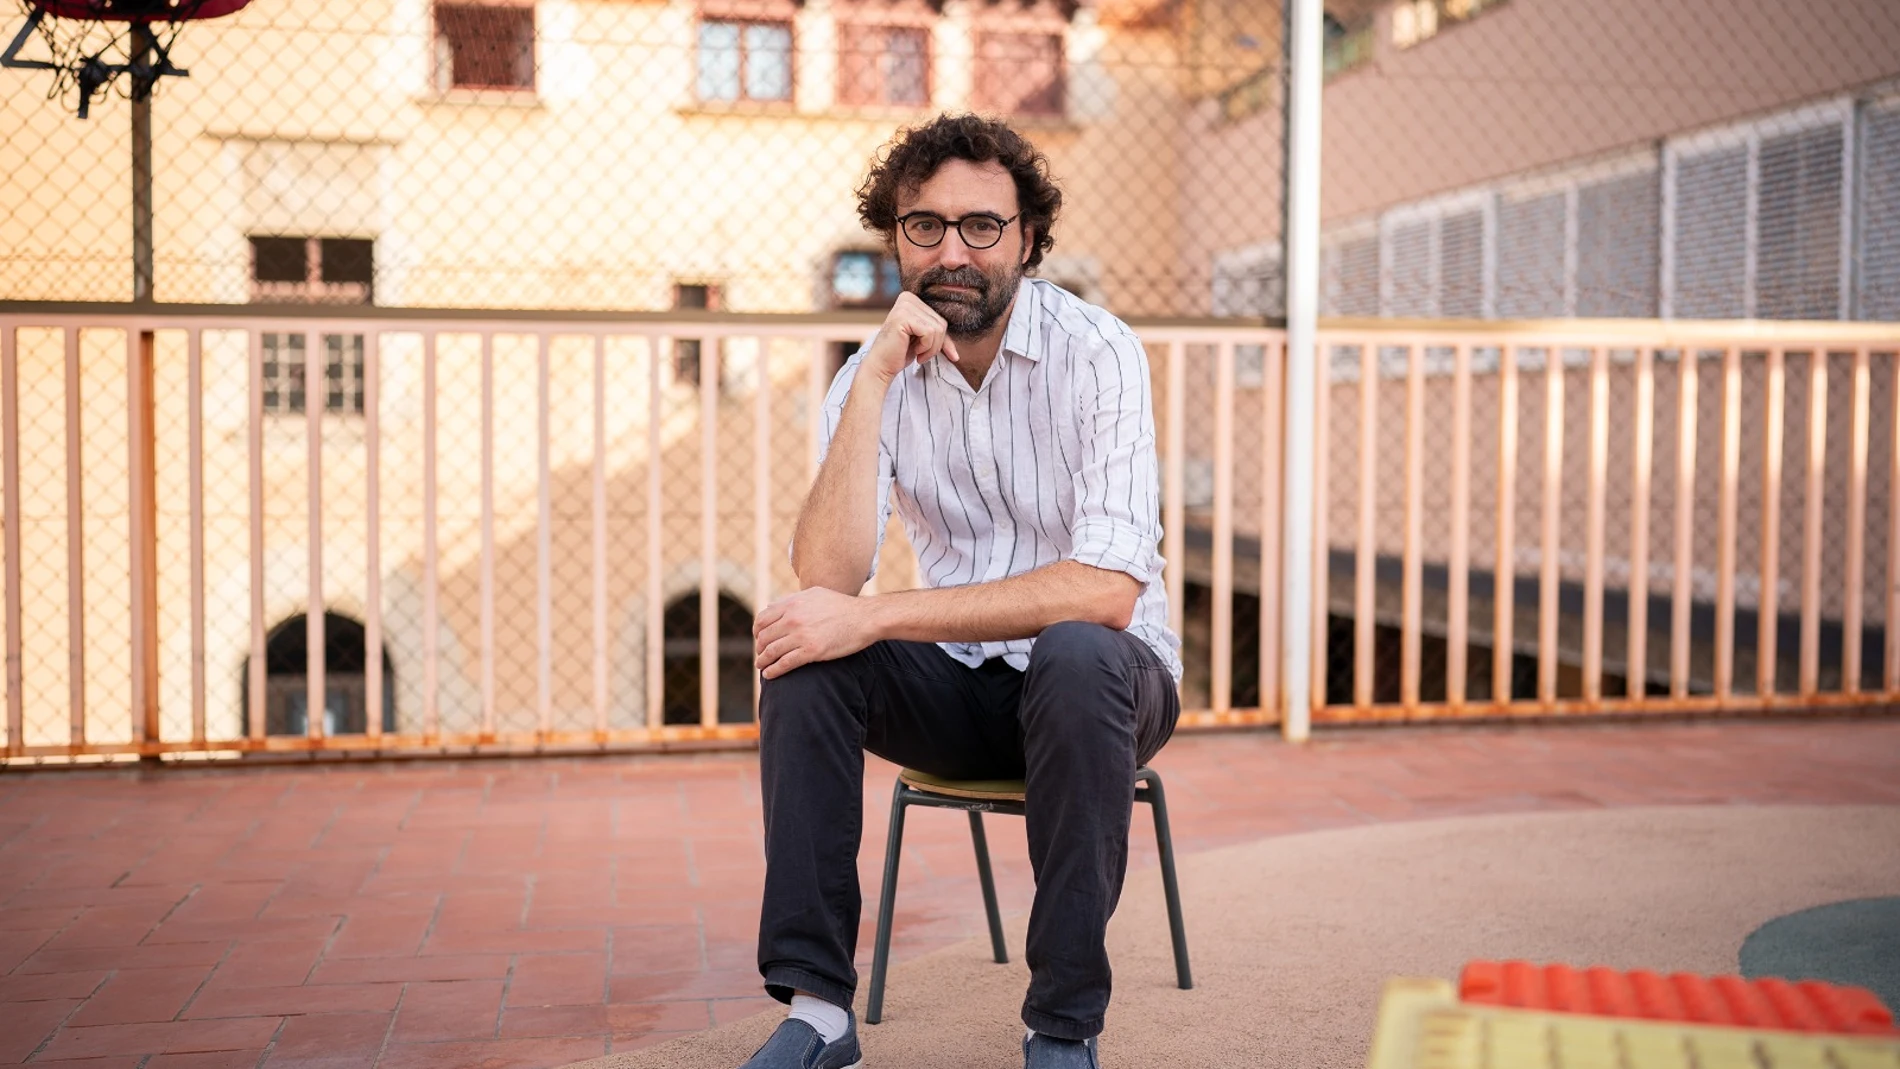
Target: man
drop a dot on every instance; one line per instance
(1010, 425)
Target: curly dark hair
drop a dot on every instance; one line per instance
(910, 158)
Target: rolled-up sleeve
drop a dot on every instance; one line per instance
(1117, 487)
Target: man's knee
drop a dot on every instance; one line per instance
(1078, 685)
(1074, 647)
(818, 675)
(814, 694)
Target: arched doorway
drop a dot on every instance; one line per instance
(680, 650)
(345, 661)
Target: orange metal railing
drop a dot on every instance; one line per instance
(1559, 399)
(539, 524)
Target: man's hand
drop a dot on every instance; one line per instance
(912, 332)
(812, 625)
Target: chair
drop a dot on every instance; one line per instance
(977, 797)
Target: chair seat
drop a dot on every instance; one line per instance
(981, 790)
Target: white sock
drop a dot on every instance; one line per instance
(831, 1022)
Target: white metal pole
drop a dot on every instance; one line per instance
(1302, 320)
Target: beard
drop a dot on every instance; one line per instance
(972, 314)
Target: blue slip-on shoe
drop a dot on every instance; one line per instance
(1048, 1052)
(797, 1045)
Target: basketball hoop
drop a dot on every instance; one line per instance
(90, 43)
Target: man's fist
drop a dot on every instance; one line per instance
(912, 333)
(818, 624)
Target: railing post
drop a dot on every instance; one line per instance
(431, 558)
(1221, 679)
(599, 573)
(543, 544)
(315, 396)
(373, 529)
(1458, 597)
(10, 444)
(762, 541)
(656, 581)
(195, 447)
(1272, 469)
(1174, 491)
(1301, 228)
(255, 700)
(75, 547)
(710, 374)
(1412, 581)
(141, 415)
(487, 615)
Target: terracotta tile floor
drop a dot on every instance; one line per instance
(533, 913)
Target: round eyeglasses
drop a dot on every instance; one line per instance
(980, 231)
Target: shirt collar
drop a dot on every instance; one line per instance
(1021, 336)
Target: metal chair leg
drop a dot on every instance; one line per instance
(989, 887)
(1164, 840)
(887, 900)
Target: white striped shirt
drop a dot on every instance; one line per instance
(1051, 459)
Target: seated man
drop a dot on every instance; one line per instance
(1010, 424)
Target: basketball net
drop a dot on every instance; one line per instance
(88, 56)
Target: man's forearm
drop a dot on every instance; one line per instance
(1021, 606)
(837, 529)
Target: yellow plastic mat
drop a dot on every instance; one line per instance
(1422, 1025)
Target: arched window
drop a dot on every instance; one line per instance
(345, 658)
(680, 648)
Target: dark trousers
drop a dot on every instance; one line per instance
(1094, 704)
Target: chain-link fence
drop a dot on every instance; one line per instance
(627, 154)
(1483, 159)
(1554, 158)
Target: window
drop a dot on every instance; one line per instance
(1249, 283)
(1879, 259)
(1758, 218)
(345, 665)
(1461, 265)
(1711, 235)
(1408, 274)
(1531, 255)
(680, 655)
(311, 270)
(1020, 73)
(1794, 216)
(745, 60)
(1349, 276)
(887, 65)
(1582, 244)
(698, 297)
(1417, 21)
(865, 280)
(1348, 45)
(1799, 219)
(1414, 21)
(1579, 242)
(484, 46)
(1618, 224)
(283, 373)
(1433, 258)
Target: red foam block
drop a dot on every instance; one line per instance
(1806, 1006)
